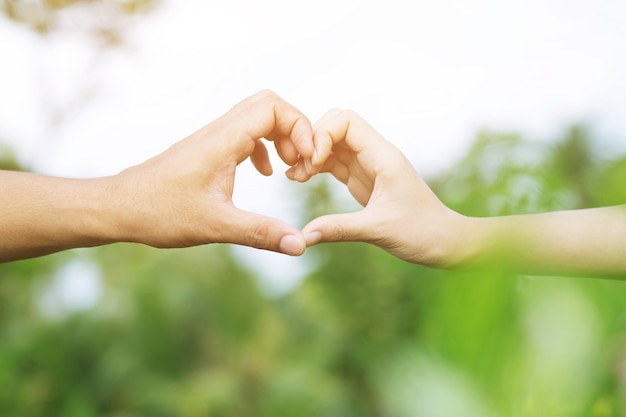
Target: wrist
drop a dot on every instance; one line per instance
(100, 221)
(465, 243)
(119, 218)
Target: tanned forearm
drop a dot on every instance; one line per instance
(41, 214)
(179, 198)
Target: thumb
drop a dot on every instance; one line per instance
(262, 232)
(337, 228)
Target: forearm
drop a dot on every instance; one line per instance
(41, 214)
(577, 242)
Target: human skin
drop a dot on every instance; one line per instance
(403, 216)
(180, 198)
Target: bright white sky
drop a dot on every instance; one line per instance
(426, 74)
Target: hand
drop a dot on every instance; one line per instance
(401, 214)
(183, 197)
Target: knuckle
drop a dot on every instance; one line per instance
(260, 96)
(349, 114)
(336, 232)
(260, 236)
(332, 113)
(267, 94)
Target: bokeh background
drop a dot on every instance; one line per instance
(504, 107)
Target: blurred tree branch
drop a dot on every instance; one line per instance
(98, 26)
(103, 19)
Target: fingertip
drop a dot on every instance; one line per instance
(296, 173)
(312, 233)
(300, 173)
(264, 169)
(308, 165)
(315, 159)
(312, 237)
(286, 150)
(302, 135)
(292, 245)
(323, 143)
(289, 173)
(260, 159)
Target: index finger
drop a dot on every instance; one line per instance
(347, 128)
(266, 115)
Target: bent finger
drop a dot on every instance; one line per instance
(322, 140)
(260, 159)
(286, 149)
(266, 115)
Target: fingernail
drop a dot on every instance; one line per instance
(312, 238)
(307, 165)
(291, 245)
(315, 158)
(301, 174)
(289, 173)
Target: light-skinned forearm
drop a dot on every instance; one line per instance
(590, 242)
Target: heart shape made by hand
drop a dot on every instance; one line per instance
(186, 193)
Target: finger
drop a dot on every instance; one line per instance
(266, 115)
(332, 165)
(293, 172)
(346, 227)
(301, 171)
(260, 159)
(286, 150)
(262, 232)
(292, 123)
(323, 142)
(350, 136)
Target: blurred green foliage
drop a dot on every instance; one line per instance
(188, 333)
(8, 160)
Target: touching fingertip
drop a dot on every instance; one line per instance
(302, 175)
(315, 159)
(292, 245)
(312, 238)
(304, 135)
